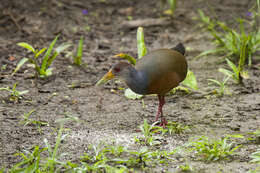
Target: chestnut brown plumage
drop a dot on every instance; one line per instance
(155, 73)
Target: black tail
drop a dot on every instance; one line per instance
(180, 48)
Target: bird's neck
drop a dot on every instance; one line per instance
(136, 80)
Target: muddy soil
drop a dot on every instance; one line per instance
(104, 113)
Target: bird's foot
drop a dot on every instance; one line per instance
(163, 123)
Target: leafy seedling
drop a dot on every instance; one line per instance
(42, 67)
(176, 128)
(15, 95)
(222, 89)
(26, 120)
(148, 132)
(78, 58)
(236, 74)
(30, 161)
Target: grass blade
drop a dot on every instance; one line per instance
(19, 65)
(78, 58)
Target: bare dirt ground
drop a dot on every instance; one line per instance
(109, 116)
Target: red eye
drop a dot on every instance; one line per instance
(117, 69)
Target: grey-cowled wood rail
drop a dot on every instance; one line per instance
(155, 73)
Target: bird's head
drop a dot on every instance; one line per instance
(119, 70)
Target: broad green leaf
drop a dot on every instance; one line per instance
(26, 46)
(47, 55)
(40, 52)
(140, 42)
(190, 81)
(19, 65)
(129, 58)
(132, 95)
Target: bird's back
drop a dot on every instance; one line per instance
(164, 68)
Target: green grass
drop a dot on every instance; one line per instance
(234, 45)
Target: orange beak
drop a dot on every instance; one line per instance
(108, 76)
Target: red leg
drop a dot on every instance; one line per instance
(160, 112)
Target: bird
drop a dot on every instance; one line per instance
(157, 72)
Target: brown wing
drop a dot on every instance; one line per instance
(165, 69)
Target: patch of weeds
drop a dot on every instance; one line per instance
(186, 168)
(229, 42)
(222, 89)
(41, 67)
(176, 128)
(148, 132)
(213, 150)
(30, 161)
(35, 162)
(107, 157)
(27, 121)
(15, 95)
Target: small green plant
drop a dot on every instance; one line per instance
(186, 168)
(78, 58)
(42, 67)
(36, 162)
(213, 150)
(237, 72)
(148, 130)
(222, 89)
(27, 121)
(237, 46)
(176, 128)
(15, 95)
